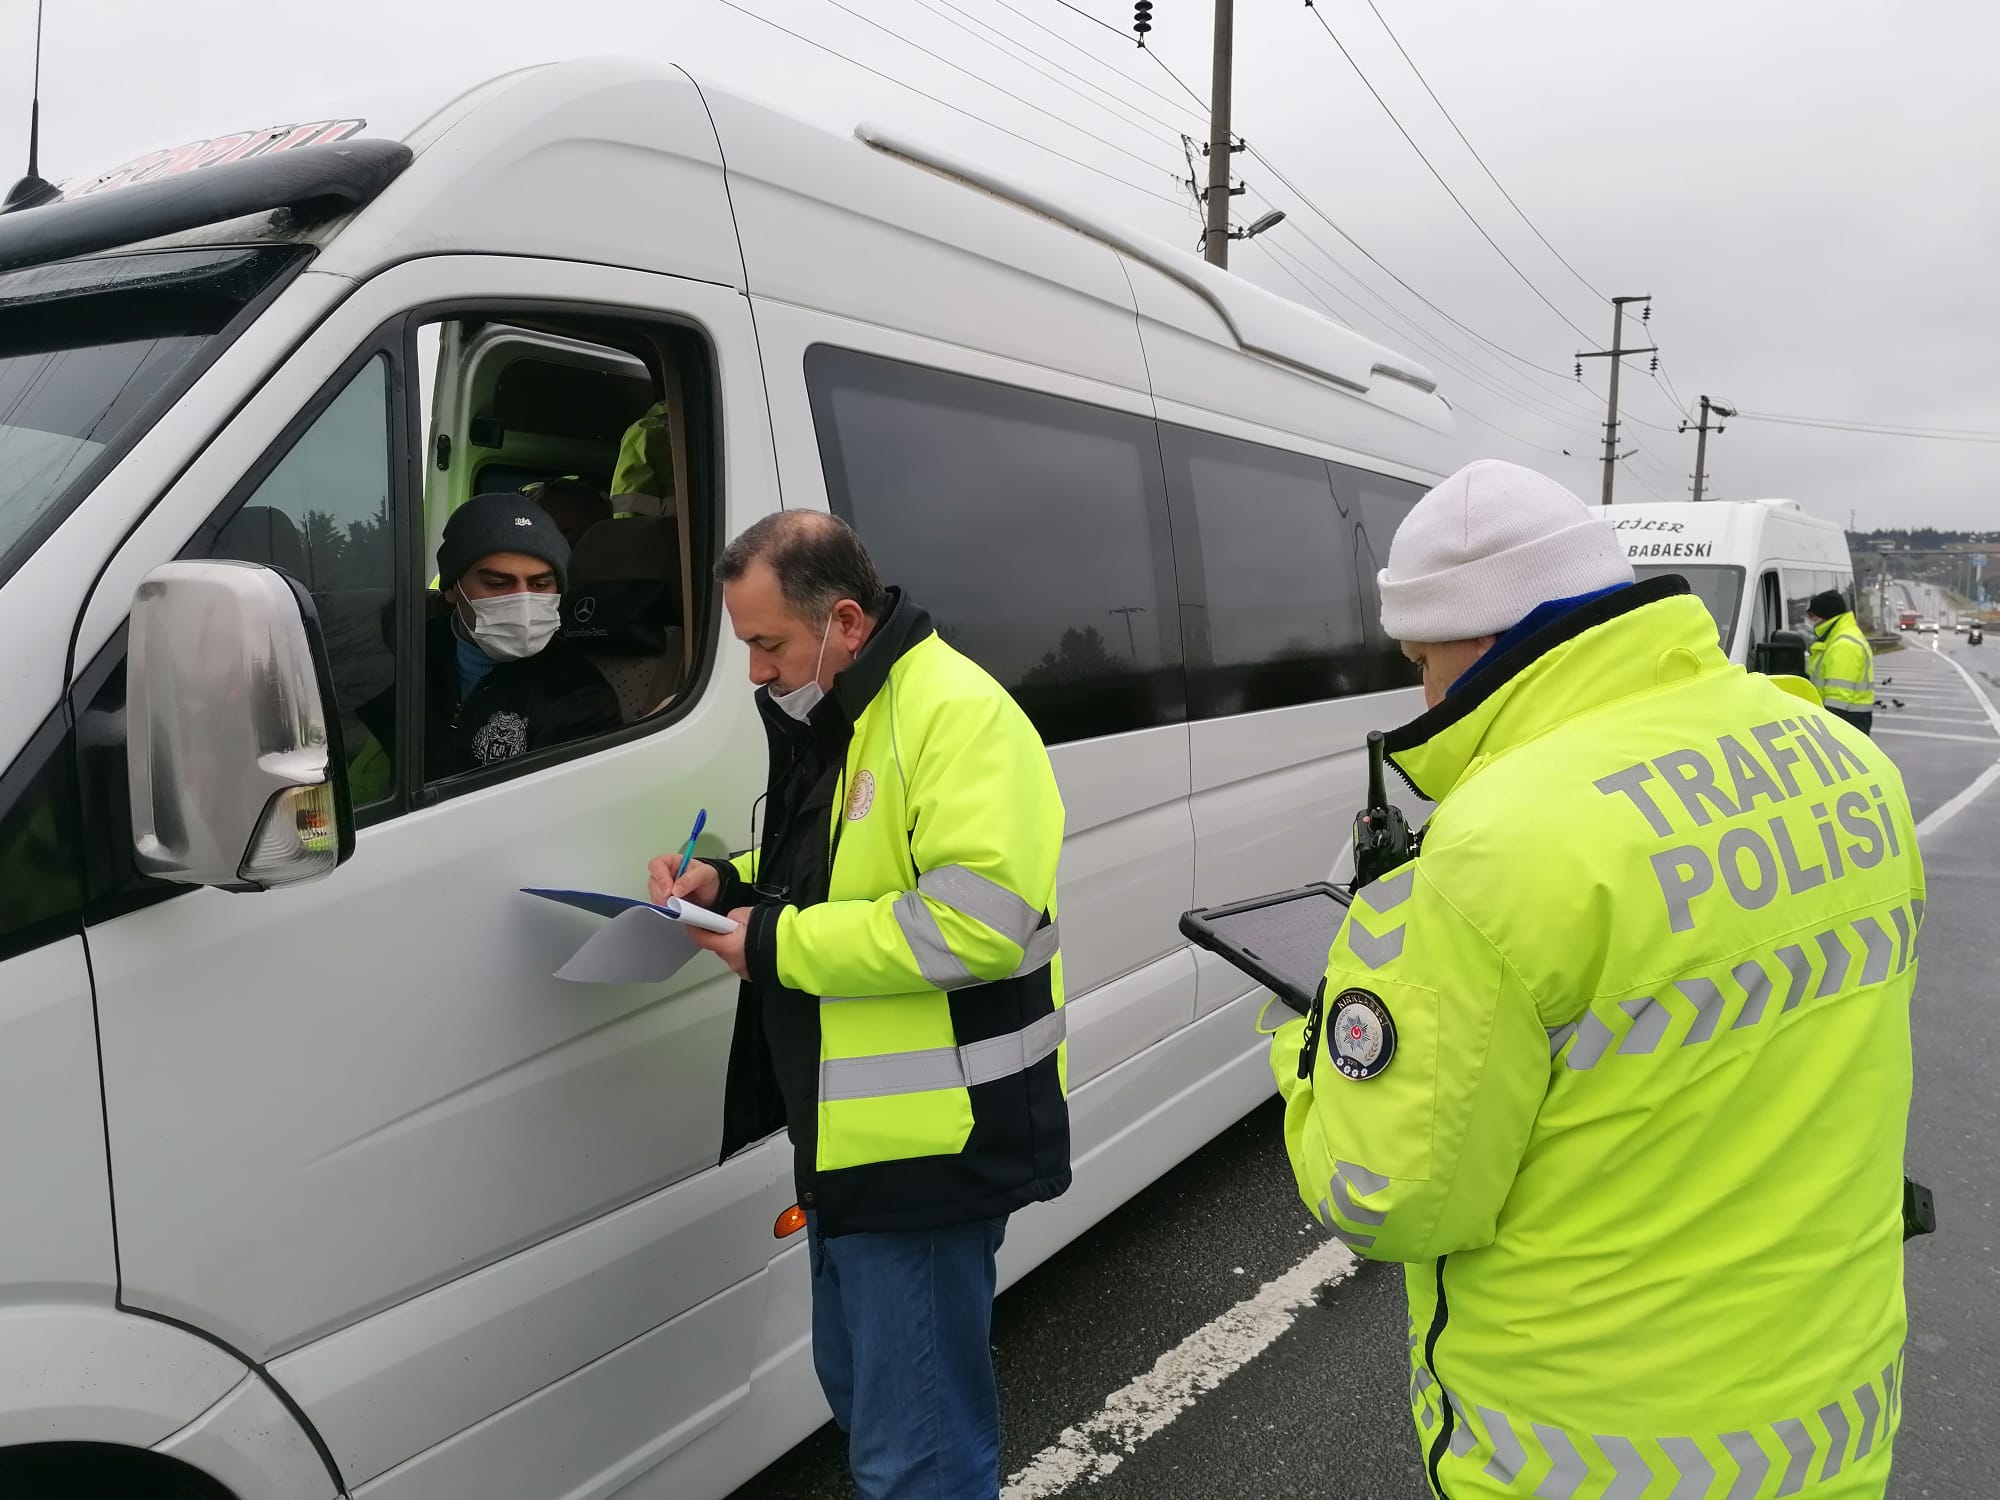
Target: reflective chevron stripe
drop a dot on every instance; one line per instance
(1551, 1462)
(1640, 1027)
(1372, 950)
(931, 1068)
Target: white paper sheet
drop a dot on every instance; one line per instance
(641, 945)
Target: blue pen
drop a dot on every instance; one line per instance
(687, 854)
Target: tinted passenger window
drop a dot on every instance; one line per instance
(1032, 528)
(322, 515)
(1267, 564)
(1381, 503)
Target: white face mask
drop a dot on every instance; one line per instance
(509, 627)
(802, 700)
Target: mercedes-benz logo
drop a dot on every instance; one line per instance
(584, 609)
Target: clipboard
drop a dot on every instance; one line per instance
(1281, 940)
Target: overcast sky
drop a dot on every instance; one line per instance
(1806, 189)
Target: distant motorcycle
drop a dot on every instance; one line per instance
(1974, 633)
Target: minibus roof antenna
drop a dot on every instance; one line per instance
(33, 190)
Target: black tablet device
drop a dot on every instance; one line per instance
(1281, 940)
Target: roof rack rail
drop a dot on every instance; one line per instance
(317, 182)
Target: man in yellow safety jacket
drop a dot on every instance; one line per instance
(1620, 1064)
(902, 1006)
(1842, 663)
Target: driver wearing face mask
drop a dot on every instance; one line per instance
(499, 679)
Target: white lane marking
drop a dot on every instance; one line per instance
(1978, 691)
(1932, 734)
(1943, 815)
(1899, 715)
(1093, 1448)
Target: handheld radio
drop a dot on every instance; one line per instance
(1382, 838)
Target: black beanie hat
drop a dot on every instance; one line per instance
(1827, 605)
(487, 524)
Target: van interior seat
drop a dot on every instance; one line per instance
(623, 608)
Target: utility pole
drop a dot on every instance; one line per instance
(1616, 355)
(1221, 149)
(1131, 638)
(1701, 440)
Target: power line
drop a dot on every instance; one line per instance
(1480, 159)
(1878, 429)
(956, 109)
(1559, 394)
(939, 57)
(1461, 407)
(1373, 260)
(1272, 252)
(1470, 218)
(1051, 32)
(989, 40)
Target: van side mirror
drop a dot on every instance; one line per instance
(1783, 655)
(233, 758)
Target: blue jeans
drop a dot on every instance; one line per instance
(902, 1328)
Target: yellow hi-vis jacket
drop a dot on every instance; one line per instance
(1620, 1065)
(1843, 665)
(932, 969)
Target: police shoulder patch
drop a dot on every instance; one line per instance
(1361, 1038)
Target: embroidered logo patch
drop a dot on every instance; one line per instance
(501, 737)
(1362, 1036)
(862, 797)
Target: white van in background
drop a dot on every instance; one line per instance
(322, 1186)
(1755, 563)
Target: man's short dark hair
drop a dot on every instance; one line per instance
(818, 559)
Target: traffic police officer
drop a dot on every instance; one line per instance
(1619, 1064)
(902, 1005)
(1842, 662)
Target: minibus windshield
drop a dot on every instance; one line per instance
(92, 352)
(1721, 589)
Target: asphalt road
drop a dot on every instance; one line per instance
(1322, 1410)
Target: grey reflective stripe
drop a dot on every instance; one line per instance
(1391, 891)
(1881, 950)
(1630, 1474)
(983, 900)
(1917, 911)
(1016, 1052)
(1039, 951)
(1726, 1466)
(1351, 1240)
(1756, 993)
(1365, 1182)
(890, 1073)
(1372, 950)
(1707, 998)
(1834, 1416)
(1793, 957)
(1508, 1454)
(1902, 920)
(1837, 960)
(1694, 1472)
(1799, 1444)
(1567, 1470)
(1592, 1037)
(1892, 1382)
(942, 969)
(1848, 685)
(1649, 1024)
(1462, 1439)
(931, 1068)
(1871, 1409)
(1752, 1464)
(1344, 1204)
(1560, 1035)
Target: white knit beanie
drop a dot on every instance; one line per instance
(1477, 554)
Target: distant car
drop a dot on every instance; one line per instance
(1959, 626)
(1929, 627)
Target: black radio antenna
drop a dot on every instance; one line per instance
(33, 190)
